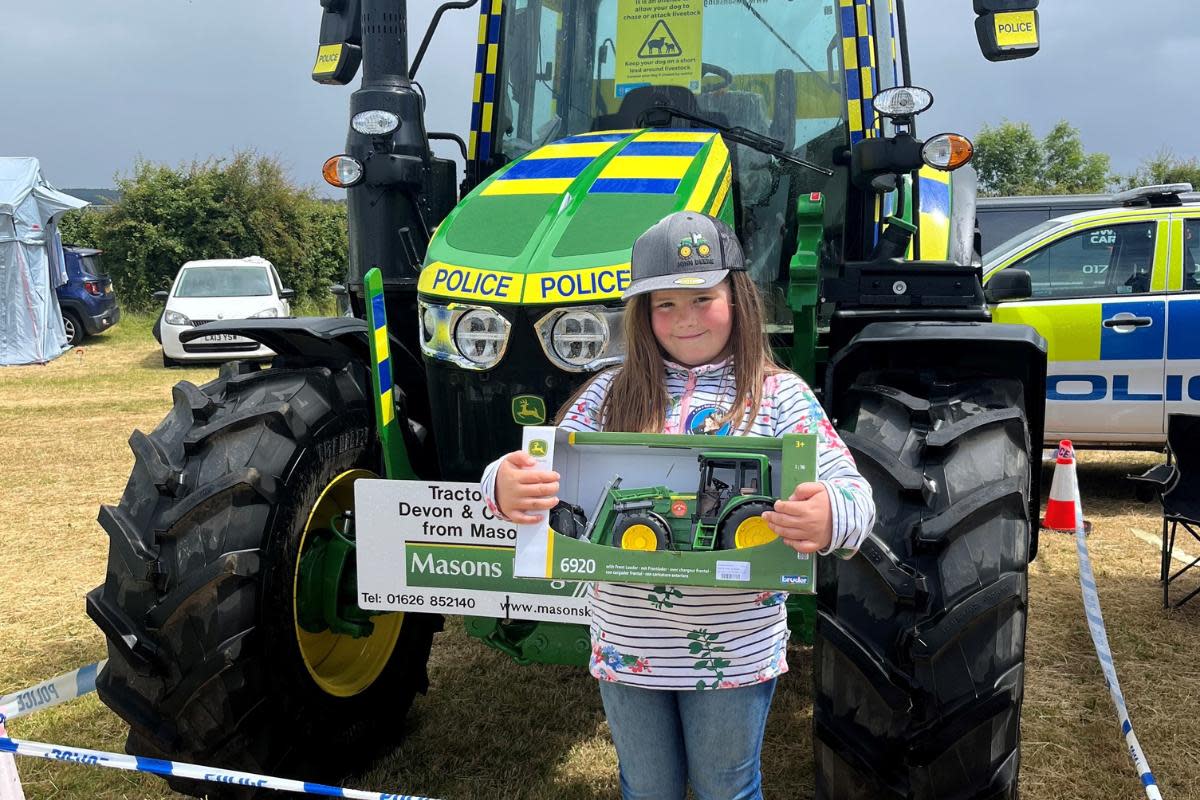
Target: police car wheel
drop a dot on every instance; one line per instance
(919, 644)
(198, 603)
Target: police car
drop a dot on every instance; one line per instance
(1116, 294)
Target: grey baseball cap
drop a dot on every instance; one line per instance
(684, 250)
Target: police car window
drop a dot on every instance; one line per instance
(1002, 226)
(1112, 260)
(1191, 255)
(1017, 241)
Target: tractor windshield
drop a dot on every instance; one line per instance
(770, 66)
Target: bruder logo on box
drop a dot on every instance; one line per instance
(801, 580)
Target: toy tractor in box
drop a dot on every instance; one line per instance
(795, 122)
(722, 515)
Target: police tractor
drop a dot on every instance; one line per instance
(230, 605)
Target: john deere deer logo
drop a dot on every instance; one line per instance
(528, 409)
(537, 448)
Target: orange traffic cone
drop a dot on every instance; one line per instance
(1064, 492)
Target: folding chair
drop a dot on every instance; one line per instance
(1177, 485)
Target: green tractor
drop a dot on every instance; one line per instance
(228, 604)
(722, 515)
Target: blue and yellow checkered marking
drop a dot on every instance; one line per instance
(654, 163)
(643, 147)
(546, 168)
(634, 186)
(858, 57)
(895, 59)
(383, 359)
(483, 101)
(551, 169)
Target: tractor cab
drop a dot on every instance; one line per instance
(592, 121)
(770, 78)
(725, 476)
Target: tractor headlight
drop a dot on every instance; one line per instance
(472, 337)
(582, 339)
(481, 335)
(375, 122)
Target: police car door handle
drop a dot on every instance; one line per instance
(1127, 321)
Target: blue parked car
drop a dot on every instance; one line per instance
(87, 300)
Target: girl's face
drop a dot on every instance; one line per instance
(693, 325)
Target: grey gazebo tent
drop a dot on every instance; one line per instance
(31, 263)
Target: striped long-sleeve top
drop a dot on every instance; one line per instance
(690, 637)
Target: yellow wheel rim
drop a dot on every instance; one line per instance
(752, 532)
(639, 537)
(342, 665)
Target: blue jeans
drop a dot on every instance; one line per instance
(665, 739)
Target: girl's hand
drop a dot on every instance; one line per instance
(804, 520)
(520, 488)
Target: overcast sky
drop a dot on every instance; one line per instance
(88, 86)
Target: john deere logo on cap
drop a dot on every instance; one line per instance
(528, 409)
(694, 246)
(688, 280)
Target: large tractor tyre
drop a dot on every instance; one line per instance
(207, 660)
(920, 638)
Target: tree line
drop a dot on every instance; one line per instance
(219, 208)
(1012, 160)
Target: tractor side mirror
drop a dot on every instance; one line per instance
(1009, 284)
(161, 295)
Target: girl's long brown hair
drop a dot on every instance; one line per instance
(636, 401)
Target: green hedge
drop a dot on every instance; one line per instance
(220, 208)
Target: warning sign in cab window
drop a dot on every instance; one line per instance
(658, 43)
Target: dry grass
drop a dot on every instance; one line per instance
(491, 729)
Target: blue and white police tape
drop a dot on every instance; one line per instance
(1091, 608)
(50, 693)
(178, 769)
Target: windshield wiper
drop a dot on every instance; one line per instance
(752, 139)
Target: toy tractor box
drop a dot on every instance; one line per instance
(667, 509)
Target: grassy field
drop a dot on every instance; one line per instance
(490, 729)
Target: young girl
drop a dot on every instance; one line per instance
(696, 362)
